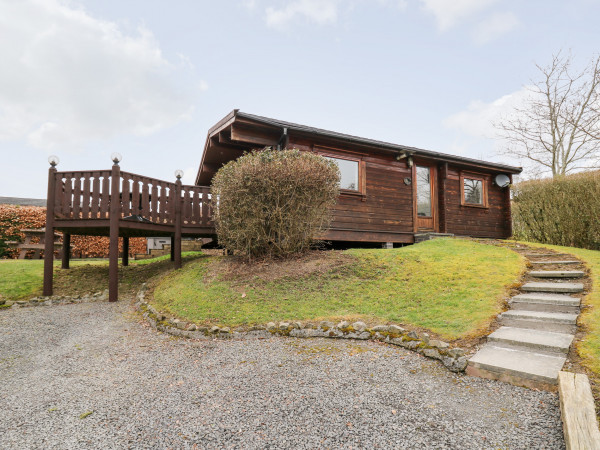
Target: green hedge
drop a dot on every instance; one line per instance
(561, 211)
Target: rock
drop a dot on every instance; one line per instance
(297, 325)
(307, 332)
(343, 325)
(192, 327)
(395, 329)
(283, 326)
(413, 335)
(424, 337)
(411, 345)
(225, 330)
(438, 344)
(258, 328)
(325, 325)
(431, 353)
(359, 326)
(271, 326)
(455, 352)
(21, 302)
(215, 329)
(180, 325)
(455, 365)
(380, 328)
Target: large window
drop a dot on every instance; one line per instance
(349, 179)
(474, 190)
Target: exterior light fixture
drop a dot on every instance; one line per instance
(409, 161)
(178, 174)
(53, 160)
(116, 157)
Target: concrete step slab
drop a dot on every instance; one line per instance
(540, 263)
(539, 320)
(545, 255)
(532, 339)
(560, 303)
(546, 298)
(541, 316)
(523, 368)
(552, 287)
(557, 273)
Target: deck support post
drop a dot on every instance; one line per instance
(66, 250)
(172, 248)
(49, 234)
(125, 250)
(113, 246)
(176, 242)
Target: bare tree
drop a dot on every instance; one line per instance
(558, 127)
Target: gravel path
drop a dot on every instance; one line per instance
(147, 390)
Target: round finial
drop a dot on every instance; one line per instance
(179, 174)
(116, 157)
(53, 160)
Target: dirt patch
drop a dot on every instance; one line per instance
(239, 270)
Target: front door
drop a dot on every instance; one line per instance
(425, 198)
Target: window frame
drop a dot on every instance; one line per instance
(484, 189)
(361, 191)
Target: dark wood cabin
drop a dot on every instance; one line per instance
(389, 192)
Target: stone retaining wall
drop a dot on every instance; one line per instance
(453, 358)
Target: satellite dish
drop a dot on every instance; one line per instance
(502, 180)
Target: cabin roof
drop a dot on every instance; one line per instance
(273, 131)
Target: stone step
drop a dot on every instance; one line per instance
(523, 368)
(539, 320)
(552, 287)
(557, 273)
(559, 303)
(545, 255)
(554, 262)
(532, 339)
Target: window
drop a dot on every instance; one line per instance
(423, 191)
(474, 190)
(348, 173)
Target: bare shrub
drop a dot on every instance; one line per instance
(563, 210)
(273, 203)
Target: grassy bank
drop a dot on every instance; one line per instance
(452, 287)
(22, 279)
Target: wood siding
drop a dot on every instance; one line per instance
(385, 212)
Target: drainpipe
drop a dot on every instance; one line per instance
(283, 140)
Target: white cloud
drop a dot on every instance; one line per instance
(68, 78)
(318, 11)
(449, 13)
(479, 118)
(494, 26)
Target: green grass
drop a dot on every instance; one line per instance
(22, 279)
(589, 347)
(452, 287)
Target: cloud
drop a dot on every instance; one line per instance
(68, 78)
(317, 11)
(479, 118)
(449, 13)
(494, 26)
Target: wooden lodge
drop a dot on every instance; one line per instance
(389, 193)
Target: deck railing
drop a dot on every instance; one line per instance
(86, 195)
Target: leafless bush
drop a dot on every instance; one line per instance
(563, 210)
(273, 203)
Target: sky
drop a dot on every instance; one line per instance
(82, 79)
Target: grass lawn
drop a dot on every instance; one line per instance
(22, 279)
(588, 348)
(452, 287)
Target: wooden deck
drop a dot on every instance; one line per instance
(121, 204)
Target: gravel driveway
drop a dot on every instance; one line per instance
(147, 390)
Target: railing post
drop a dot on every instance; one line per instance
(113, 246)
(176, 244)
(66, 251)
(125, 250)
(49, 234)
